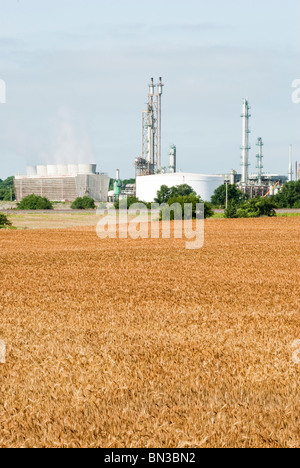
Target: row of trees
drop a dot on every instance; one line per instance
(238, 202)
(254, 208)
(35, 202)
(287, 197)
(124, 182)
(7, 189)
(240, 205)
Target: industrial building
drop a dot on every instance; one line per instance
(150, 175)
(256, 184)
(63, 182)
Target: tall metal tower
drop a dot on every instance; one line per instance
(291, 164)
(172, 154)
(259, 164)
(245, 142)
(150, 160)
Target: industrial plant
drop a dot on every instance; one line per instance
(67, 182)
(257, 184)
(63, 182)
(150, 175)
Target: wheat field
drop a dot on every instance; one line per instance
(123, 343)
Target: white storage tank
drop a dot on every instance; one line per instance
(41, 171)
(203, 184)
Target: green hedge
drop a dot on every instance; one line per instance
(35, 202)
(4, 221)
(254, 208)
(83, 203)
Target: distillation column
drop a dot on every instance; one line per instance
(151, 133)
(172, 159)
(159, 95)
(245, 143)
(259, 161)
(291, 164)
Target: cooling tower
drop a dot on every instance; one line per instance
(41, 171)
(31, 171)
(63, 182)
(87, 168)
(73, 169)
(51, 170)
(62, 169)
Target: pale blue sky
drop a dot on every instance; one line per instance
(77, 73)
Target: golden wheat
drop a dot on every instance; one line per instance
(122, 343)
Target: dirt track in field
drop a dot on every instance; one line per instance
(122, 343)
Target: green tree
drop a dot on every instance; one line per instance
(234, 195)
(4, 221)
(165, 192)
(83, 203)
(181, 201)
(163, 195)
(297, 205)
(7, 189)
(127, 182)
(231, 211)
(124, 182)
(254, 208)
(288, 196)
(35, 202)
(129, 201)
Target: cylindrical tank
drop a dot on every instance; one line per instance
(62, 169)
(87, 168)
(31, 171)
(203, 184)
(117, 185)
(41, 170)
(72, 169)
(52, 170)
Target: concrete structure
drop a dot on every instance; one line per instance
(63, 182)
(204, 185)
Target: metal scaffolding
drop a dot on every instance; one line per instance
(150, 160)
(245, 143)
(259, 164)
